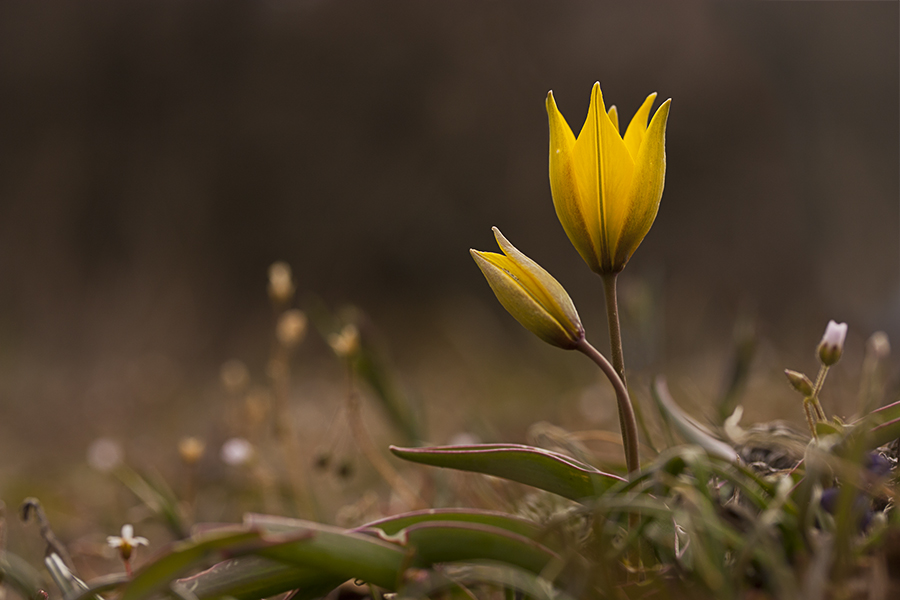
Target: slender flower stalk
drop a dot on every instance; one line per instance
(542, 305)
(615, 330)
(606, 190)
(626, 410)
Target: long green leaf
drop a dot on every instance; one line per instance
(19, 575)
(185, 555)
(343, 554)
(536, 467)
(252, 577)
(327, 556)
(439, 542)
(389, 526)
(473, 574)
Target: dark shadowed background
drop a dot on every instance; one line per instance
(156, 157)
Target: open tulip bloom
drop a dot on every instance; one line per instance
(606, 188)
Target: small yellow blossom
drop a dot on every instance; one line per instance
(606, 187)
(531, 294)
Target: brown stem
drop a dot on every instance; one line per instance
(626, 410)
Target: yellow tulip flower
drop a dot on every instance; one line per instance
(606, 188)
(531, 294)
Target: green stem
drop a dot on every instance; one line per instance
(626, 410)
(817, 388)
(615, 330)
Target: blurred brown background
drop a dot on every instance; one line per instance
(156, 157)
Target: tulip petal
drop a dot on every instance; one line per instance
(634, 135)
(573, 214)
(613, 113)
(504, 278)
(647, 188)
(604, 169)
(543, 286)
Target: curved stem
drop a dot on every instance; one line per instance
(626, 410)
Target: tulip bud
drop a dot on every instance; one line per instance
(832, 345)
(800, 382)
(531, 294)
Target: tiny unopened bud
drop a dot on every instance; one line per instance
(878, 345)
(235, 376)
(800, 382)
(345, 343)
(281, 284)
(291, 328)
(832, 345)
(190, 449)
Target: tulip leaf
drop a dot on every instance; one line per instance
(344, 554)
(185, 555)
(468, 575)
(253, 577)
(536, 467)
(392, 525)
(328, 556)
(440, 542)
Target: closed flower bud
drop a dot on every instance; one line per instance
(191, 449)
(800, 382)
(832, 345)
(281, 283)
(345, 343)
(531, 294)
(291, 328)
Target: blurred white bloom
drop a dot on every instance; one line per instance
(104, 454)
(127, 542)
(832, 345)
(237, 452)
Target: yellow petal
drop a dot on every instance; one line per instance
(547, 290)
(604, 169)
(614, 116)
(647, 187)
(579, 220)
(634, 135)
(530, 294)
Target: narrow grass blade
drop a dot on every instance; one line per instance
(692, 431)
(536, 467)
